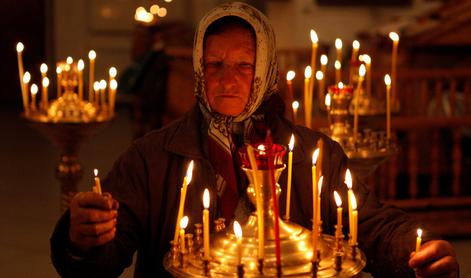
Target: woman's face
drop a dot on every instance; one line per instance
(229, 65)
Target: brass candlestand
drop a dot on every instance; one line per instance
(295, 242)
(68, 121)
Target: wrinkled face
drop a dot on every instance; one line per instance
(229, 65)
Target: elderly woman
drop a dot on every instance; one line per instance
(236, 76)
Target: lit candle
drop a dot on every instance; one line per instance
(338, 68)
(307, 97)
(338, 47)
(367, 61)
(19, 51)
(96, 89)
(319, 190)
(34, 91)
(419, 240)
(43, 69)
(295, 106)
(349, 183)
(80, 66)
(354, 231)
(395, 38)
(289, 83)
(113, 87)
(91, 76)
(327, 102)
(112, 72)
(290, 166)
(59, 80)
(238, 235)
(206, 224)
(355, 48)
(324, 61)
(387, 81)
(186, 181)
(314, 40)
(97, 187)
(102, 94)
(361, 74)
(319, 77)
(69, 60)
(26, 79)
(315, 194)
(338, 201)
(44, 94)
(259, 201)
(183, 224)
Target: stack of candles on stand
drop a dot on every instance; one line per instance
(355, 79)
(69, 76)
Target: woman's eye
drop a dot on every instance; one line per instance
(246, 66)
(213, 65)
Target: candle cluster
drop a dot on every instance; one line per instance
(69, 81)
(360, 70)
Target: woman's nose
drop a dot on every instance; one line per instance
(228, 75)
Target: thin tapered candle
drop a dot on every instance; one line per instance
(314, 41)
(307, 97)
(183, 224)
(361, 74)
(295, 106)
(44, 94)
(238, 235)
(353, 59)
(259, 201)
(338, 47)
(96, 89)
(324, 61)
(338, 73)
(26, 79)
(102, 94)
(290, 167)
(319, 190)
(289, 83)
(34, 92)
(91, 74)
(387, 81)
(315, 224)
(97, 187)
(206, 224)
(338, 201)
(418, 241)
(43, 69)
(59, 80)
(181, 207)
(320, 79)
(395, 38)
(354, 231)
(113, 87)
(80, 67)
(367, 61)
(19, 51)
(349, 183)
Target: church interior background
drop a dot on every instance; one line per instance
(427, 176)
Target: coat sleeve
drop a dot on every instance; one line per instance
(127, 183)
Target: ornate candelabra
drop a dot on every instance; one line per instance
(336, 258)
(68, 120)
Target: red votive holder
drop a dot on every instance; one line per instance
(261, 156)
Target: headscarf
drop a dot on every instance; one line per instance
(265, 75)
(222, 128)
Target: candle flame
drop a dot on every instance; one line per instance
(362, 70)
(154, 9)
(102, 84)
(394, 36)
(319, 185)
(34, 89)
(354, 202)
(20, 47)
(337, 65)
(307, 72)
(113, 84)
(356, 44)
(419, 232)
(95, 172)
(314, 37)
(162, 12)
(58, 70)
(338, 43)
(291, 143)
(143, 16)
(184, 222)
(295, 105)
(360, 57)
(340, 85)
(327, 100)
(26, 77)
(319, 75)
(348, 179)
(366, 58)
(261, 147)
(237, 230)
(80, 65)
(43, 68)
(113, 72)
(206, 198)
(315, 154)
(338, 200)
(387, 80)
(91, 54)
(290, 75)
(96, 86)
(45, 82)
(69, 60)
(324, 59)
(189, 172)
